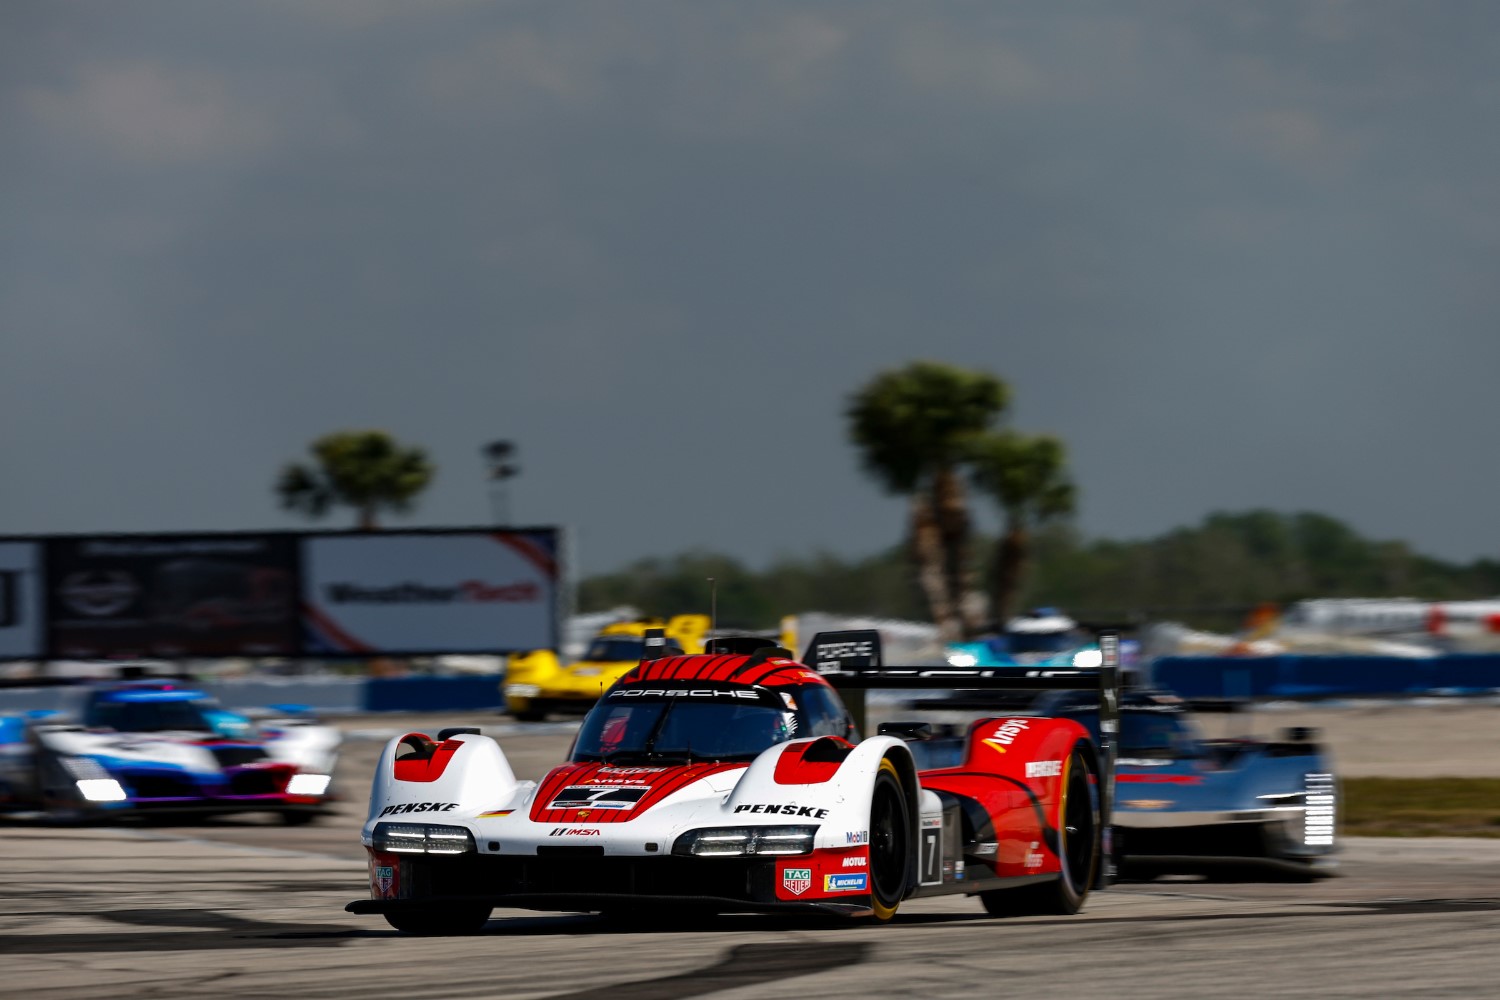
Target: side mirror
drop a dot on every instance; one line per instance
(910, 732)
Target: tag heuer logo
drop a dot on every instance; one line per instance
(797, 880)
(384, 877)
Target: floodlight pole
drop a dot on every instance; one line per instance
(500, 458)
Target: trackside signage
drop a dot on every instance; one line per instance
(20, 610)
(460, 592)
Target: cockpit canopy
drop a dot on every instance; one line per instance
(151, 711)
(623, 649)
(681, 721)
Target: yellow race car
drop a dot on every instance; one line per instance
(536, 683)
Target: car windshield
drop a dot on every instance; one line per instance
(1040, 642)
(1159, 736)
(614, 649)
(134, 716)
(1147, 735)
(684, 722)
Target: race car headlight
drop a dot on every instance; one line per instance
(421, 838)
(307, 784)
(1321, 813)
(101, 790)
(522, 690)
(738, 841)
(93, 781)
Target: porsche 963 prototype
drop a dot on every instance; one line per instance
(734, 781)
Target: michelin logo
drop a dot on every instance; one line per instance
(846, 883)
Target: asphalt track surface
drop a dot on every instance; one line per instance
(247, 908)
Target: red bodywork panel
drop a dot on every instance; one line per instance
(1013, 768)
(385, 874)
(835, 874)
(429, 768)
(613, 794)
(792, 767)
(735, 667)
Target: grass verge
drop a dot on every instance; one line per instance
(1421, 807)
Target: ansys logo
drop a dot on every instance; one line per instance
(1006, 734)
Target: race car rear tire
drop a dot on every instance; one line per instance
(1079, 843)
(440, 922)
(298, 817)
(890, 848)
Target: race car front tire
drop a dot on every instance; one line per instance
(1079, 843)
(890, 848)
(444, 921)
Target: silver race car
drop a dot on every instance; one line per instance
(1231, 807)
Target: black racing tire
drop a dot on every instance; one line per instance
(298, 817)
(890, 842)
(1079, 843)
(530, 715)
(445, 921)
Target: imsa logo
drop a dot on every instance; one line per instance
(796, 880)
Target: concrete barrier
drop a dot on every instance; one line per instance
(1325, 676)
(432, 694)
(329, 695)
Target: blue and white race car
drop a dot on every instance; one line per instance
(1043, 637)
(156, 747)
(1186, 804)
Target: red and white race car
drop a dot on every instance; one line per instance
(731, 782)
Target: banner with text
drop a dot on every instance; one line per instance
(171, 595)
(20, 603)
(399, 593)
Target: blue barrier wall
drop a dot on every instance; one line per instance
(432, 694)
(1324, 676)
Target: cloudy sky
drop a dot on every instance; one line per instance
(1236, 255)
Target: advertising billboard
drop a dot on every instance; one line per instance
(20, 608)
(172, 595)
(413, 593)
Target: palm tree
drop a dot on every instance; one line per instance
(1026, 476)
(914, 426)
(366, 470)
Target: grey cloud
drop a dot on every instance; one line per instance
(1236, 255)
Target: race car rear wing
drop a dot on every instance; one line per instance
(852, 661)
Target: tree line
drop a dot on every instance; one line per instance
(936, 435)
(1209, 575)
